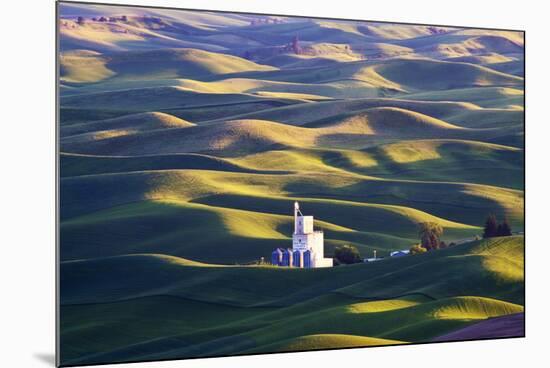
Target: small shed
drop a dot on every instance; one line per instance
(400, 253)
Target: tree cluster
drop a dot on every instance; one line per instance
(493, 228)
(122, 18)
(254, 22)
(436, 30)
(430, 235)
(346, 254)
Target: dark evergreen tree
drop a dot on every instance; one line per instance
(491, 227)
(504, 228)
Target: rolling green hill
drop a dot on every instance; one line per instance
(163, 273)
(484, 59)
(345, 315)
(77, 164)
(154, 98)
(134, 122)
(152, 64)
(393, 76)
(422, 74)
(498, 97)
(324, 341)
(239, 137)
(434, 160)
(185, 137)
(464, 114)
(370, 213)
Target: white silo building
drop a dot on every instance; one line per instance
(307, 245)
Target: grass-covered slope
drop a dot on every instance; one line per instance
(77, 164)
(133, 122)
(184, 204)
(490, 97)
(198, 185)
(152, 64)
(433, 159)
(239, 137)
(156, 98)
(231, 235)
(432, 75)
(207, 193)
(279, 309)
(323, 342)
(186, 137)
(126, 277)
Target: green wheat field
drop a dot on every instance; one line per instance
(185, 138)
